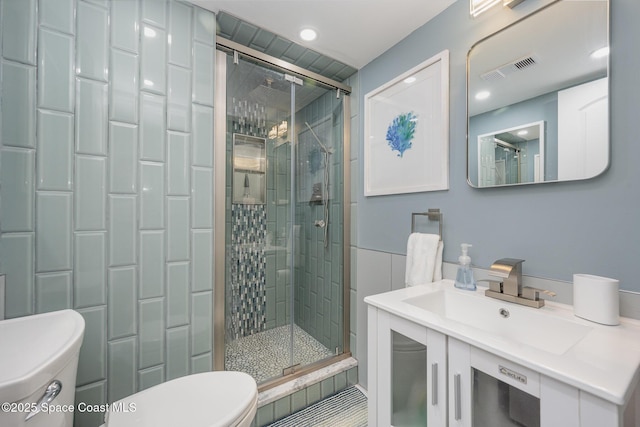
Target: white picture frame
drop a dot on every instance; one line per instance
(406, 126)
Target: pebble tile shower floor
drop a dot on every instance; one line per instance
(265, 354)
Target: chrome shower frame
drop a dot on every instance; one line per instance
(225, 46)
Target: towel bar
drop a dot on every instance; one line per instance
(433, 215)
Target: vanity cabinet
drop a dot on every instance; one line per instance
(467, 386)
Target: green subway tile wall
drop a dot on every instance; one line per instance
(106, 182)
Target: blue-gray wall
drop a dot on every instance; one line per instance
(559, 229)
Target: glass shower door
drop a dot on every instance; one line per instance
(318, 272)
(257, 289)
(283, 282)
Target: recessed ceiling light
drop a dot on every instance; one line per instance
(410, 80)
(308, 34)
(600, 53)
(482, 95)
(523, 132)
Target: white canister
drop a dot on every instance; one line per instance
(596, 298)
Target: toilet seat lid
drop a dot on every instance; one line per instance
(208, 399)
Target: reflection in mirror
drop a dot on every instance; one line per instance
(547, 71)
(511, 156)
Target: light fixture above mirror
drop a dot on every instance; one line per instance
(476, 7)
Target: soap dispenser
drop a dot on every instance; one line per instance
(464, 277)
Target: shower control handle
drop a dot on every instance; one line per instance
(320, 223)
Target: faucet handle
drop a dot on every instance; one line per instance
(495, 286)
(532, 293)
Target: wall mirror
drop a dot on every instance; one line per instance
(546, 73)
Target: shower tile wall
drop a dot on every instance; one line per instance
(248, 267)
(318, 295)
(106, 182)
(278, 288)
(246, 227)
(319, 272)
(271, 286)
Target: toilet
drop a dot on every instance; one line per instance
(38, 365)
(210, 399)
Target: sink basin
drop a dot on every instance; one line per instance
(506, 321)
(36, 352)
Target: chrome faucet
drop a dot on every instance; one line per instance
(511, 289)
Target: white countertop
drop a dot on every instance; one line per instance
(605, 363)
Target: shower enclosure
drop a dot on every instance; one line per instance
(282, 139)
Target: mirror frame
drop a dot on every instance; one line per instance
(468, 94)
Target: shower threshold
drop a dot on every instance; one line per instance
(265, 354)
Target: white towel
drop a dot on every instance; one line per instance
(424, 259)
(437, 273)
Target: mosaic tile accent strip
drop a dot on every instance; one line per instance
(345, 409)
(265, 354)
(248, 271)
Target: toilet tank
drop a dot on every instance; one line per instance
(39, 355)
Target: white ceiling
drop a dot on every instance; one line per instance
(559, 38)
(352, 31)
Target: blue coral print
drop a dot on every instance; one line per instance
(400, 132)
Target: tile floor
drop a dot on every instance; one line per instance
(345, 409)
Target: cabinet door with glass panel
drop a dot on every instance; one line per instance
(487, 390)
(411, 375)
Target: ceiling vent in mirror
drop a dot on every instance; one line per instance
(506, 69)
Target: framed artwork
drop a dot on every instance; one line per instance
(406, 125)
